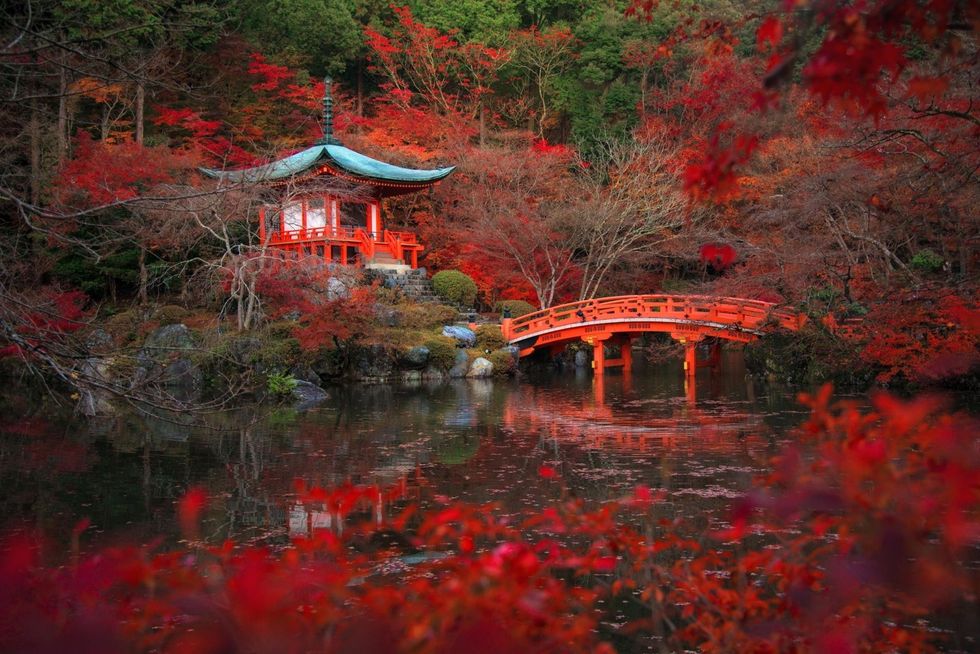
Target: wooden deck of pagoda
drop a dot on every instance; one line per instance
(348, 245)
(616, 320)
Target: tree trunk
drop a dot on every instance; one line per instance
(144, 278)
(62, 110)
(104, 128)
(34, 130)
(483, 122)
(644, 81)
(140, 102)
(360, 87)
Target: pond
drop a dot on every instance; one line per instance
(474, 440)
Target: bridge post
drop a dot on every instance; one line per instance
(599, 357)
(626, 353)
(690, 343)
(690, 359)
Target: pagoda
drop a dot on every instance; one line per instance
(327, 202)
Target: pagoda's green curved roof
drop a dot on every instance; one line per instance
(337, 156)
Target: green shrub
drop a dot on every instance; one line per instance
(517, 308)
(503, 363)
(280, 384)
(425, 316)
(826, 294)
(455, 286)
(275, 353)
(442, 352)
(488, 337)
(927, 261)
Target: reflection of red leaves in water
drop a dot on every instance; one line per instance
(547, 472)
(57, 456)
(189, 509)
(873, 511)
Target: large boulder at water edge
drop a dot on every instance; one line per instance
(372, 363)
(480, 369)
(415, 358)
(165, 360)
(170, 337)
(461, 365)
(581, 359)
(303, 372)
(94, 401)
(463, 335)
(307, 394)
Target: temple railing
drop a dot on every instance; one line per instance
(366, 241)
(344, 233)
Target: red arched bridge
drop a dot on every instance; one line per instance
(615, 320)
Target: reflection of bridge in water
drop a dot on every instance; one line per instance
(599, 427)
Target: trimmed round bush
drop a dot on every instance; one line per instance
(442, 352)
(454, 286)
(488, 337)
(517, 308)
(503, 363)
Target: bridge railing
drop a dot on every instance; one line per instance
(738, 313)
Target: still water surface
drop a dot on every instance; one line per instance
(478, 441)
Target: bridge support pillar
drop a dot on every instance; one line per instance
(690, 343)
(598, 343)
(690, 359)
(626, 354)
(599, 357)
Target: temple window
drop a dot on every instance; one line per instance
(316, 214)
(293, 217)
(353, 214)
